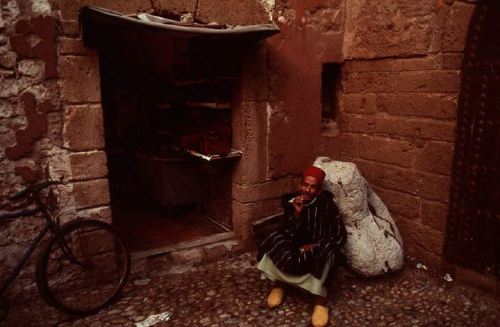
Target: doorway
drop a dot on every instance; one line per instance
(167, 119)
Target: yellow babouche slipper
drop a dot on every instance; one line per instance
(320, 316)
(275, 297)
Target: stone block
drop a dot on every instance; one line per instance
(435, 157)
(250, 124)
(359, 103)
(357, 123)
(436, 81)
(399, 203)
(233, 12)
(69, 9)
(264, 191)
(178, 7)
(418, 128)
(398, 29)
(88, 165)
(79, 78)
(435, 214)
(83, 128)
(245, 213)
(431, 105)
(452, 60)
(191, 256)
(8, 60)
(369, 82)
(390, 177)
(433, 187)
(387, 150)
(69, 27)
(91, 193)
(73, 46)
(349, 145)
(100, 213)
(32, 68)
(429, 62)
(420, 239)
(456, 26)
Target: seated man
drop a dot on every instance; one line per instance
(301, 253)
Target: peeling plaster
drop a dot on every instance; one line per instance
(269, 7)
(41, 7)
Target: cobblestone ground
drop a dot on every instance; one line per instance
(230, 292)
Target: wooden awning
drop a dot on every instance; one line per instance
(98, 26)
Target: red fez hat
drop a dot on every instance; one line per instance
(315, 172)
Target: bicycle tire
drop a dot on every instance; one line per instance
(83, 268)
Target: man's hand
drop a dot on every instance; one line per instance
(298, 205)
(307, 247)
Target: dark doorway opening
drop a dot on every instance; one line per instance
(164, 99)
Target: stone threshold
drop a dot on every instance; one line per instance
(181, 246)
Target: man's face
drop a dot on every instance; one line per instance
(309, 188)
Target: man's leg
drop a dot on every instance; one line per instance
(275, 298)
(320, 313)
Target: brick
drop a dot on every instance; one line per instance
(377, 29)
(387, 150)
(175, 6)
(79, 78)
(251, 136)
(245, 213)
(241, 13)
(430, 62)
(428, 81)
(257, 192)
(400, 204)
(195, 255)
(101, 213)
(356, 103)
(359, 103)
(433, 187)
(69, 27)
(357, 123)
(88, 165)
(73, 46)
(434, 214)
(413, 127)
(434, 81)
(390, 177)
(369, 82)
(430, 105)
(83, 128)
(435, 157)
(91, 193)
(69, 9)
(349, 145)
(420, 239)
(452, 60)
(456, 26)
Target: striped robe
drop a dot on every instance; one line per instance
(320, 223)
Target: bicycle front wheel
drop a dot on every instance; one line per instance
(83, 268)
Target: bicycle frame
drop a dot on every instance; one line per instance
(49, 225)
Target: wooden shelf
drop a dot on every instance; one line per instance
(211, 157)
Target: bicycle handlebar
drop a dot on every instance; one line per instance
(33, 189)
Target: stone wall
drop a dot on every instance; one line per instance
(400, 82)
(400, 85)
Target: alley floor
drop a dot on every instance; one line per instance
(229, 292)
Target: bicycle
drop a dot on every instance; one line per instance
(82, 267)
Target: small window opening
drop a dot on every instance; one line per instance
(330, 88)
